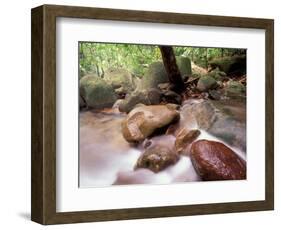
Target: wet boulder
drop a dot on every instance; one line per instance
(143, 121)
(215, 161)
(225, 119)
(96, 92)
(184, 138)
(157, 158)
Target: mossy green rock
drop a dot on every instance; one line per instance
(96, 92)
(120, 79)
(217, 74)
(184, 64)
(156, 73)
(206, 83)
(235, 88)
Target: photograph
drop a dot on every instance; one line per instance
(141, 114)
(160, 114)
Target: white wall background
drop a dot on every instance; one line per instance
(15, 113)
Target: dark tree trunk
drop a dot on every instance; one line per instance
(171, 67)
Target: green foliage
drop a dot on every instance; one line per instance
(201, 56)
(98, 57)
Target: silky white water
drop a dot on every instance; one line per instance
(106, 158)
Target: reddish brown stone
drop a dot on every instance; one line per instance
(214, 161)
(143, 121)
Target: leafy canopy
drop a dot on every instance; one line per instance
(97, 57)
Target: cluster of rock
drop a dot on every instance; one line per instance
(97, 92)
(212, 160)
(154, 87)
(212, 83)
(152, 108)
(218, 80)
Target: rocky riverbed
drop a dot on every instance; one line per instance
(144, 131)
(159, 144)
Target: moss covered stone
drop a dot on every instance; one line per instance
(96, 92)
(217, 74)
(156, 73)
(184, 65)
(120, 78)
(235, 88)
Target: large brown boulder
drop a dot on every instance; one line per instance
(157, 158)
(143, 121)
(215, 161)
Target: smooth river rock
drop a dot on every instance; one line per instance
(225, 119)
(143, 121)
(215, 161)
(157, 158)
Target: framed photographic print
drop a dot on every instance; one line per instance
(139, 114)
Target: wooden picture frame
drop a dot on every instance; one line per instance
(43, 189)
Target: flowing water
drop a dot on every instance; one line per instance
(106, 158)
